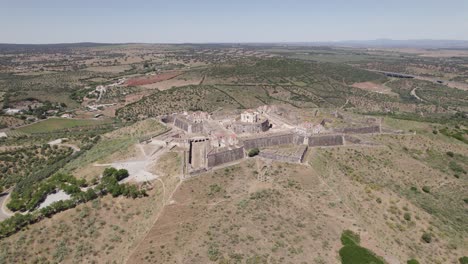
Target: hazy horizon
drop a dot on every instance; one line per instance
(221, 43)
(52, 21)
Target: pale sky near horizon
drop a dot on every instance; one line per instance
(180, 21)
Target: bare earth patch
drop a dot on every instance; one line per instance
(374, 87)
(175, 82)
(152, 79)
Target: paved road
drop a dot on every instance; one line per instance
(451, 84)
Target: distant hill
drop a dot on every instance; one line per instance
(7, 47)
(391, 43)
(377, 43)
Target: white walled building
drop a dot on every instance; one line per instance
(249, 116)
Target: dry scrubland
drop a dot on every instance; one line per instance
(227, 216)
(297, 216)
(102, 231)
(405, 195)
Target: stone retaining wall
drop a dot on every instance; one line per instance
(328, 140)
(359, 130)
(296, 157)
(352, 140)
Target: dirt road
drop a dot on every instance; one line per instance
(4, 213)
(413, 93)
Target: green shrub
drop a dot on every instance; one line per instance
(412, 261)
(426, 189)
(349, 238)
(463, 260)
(450, 154)
(214, 188)
(407, 216)
(109, 184)
(111, 171)
(456, 167)
(427, 237)
(253, 152)
(16, 223)
(213, 253)
(358, 255)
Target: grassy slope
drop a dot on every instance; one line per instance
(403, 162)
(115, 142)
(101, 231)
(53, 124)
(227, 216)
(298, 216)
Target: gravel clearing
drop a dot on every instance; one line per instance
(55, 197)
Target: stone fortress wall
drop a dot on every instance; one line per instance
(241, 127)
(182, 123)
(198, 150)
(293, 144)
(187, 125)
(269, 140)
(226, 156)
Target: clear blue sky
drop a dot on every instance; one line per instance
(175, 21)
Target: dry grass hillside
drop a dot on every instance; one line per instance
(390, 193)
(102, 231)
(227, 216)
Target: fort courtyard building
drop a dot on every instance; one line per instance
(250, 122)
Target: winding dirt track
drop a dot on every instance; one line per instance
(413, 93)
(4, 212)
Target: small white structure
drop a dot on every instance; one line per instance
(11, 111)
(249, 116)
(66, 116)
